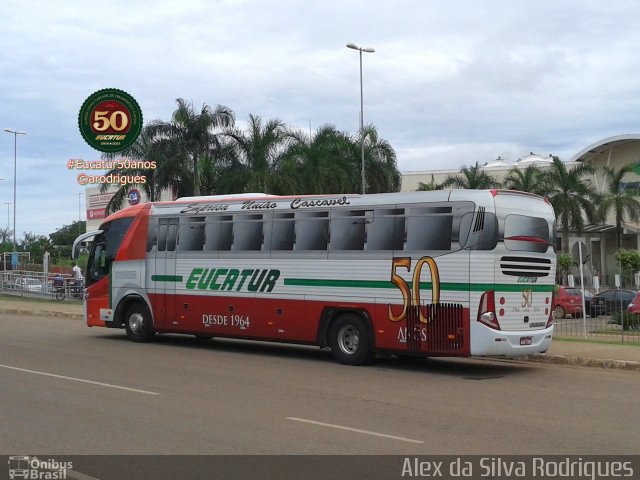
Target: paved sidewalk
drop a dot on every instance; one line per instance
(562, 352)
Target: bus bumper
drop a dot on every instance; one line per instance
(488, 342)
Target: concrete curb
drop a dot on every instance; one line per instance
(584, 362)
(49, 313)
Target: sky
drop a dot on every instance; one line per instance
(450, 83)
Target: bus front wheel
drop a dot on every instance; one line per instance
(138, 323)
(349, 340)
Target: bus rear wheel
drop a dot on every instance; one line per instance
(349, 340)
(138, 323)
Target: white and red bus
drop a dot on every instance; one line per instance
(442, 273)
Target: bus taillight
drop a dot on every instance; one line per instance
(487, 310)
(550, 321)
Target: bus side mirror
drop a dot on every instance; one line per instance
(77, 243)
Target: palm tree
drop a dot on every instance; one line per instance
(528, 180)
(318, 163)
(471, 178)
(146, 149)
(382, 173)
(192, 136)
(250, 158)
(427, 187)
(570, 195)
(621, 200)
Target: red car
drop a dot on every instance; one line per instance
(634, 306)
(566, 301)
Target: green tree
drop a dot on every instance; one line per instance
(564, 263)
(318, 163)
(622, 201)
(571, 195)
(250, 157)
(629, 260)
(528, 180)
(427, 187)
(190, 138)
(471, 178)
(6, 235)
(381, 170)
(36, 245)
(67, 234)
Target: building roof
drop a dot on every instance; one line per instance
(601, 146)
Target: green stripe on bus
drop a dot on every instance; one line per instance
(475, 287)
(166, 278)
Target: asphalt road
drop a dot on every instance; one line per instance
(67, 389)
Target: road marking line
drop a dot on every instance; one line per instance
(146, 392)
(357, 430)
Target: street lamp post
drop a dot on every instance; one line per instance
(15, 162)
(366, 50)
(7, 204)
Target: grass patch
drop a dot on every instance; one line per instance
(603, 341)
(41, 301)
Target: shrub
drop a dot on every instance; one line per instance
(628, 320)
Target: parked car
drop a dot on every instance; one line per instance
(29, 285)
(612, 301)
(593, 309)
(566, 301)
(634, 306)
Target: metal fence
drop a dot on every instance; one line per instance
(619, 326)
(39, 285)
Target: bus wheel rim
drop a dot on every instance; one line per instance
(136, 322)
(349, 339)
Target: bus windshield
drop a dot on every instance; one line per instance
(105, 247)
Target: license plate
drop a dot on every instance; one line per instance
(526, 340)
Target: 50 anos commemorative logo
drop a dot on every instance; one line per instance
(110, 120)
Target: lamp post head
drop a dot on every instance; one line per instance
(15, 132)
(353, 46)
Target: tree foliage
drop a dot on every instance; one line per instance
(629, 260)
(473, 178)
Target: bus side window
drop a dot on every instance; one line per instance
(152, 233)
(311, 231)
(385, 231)
(167, 234)
(247, 232)
(218, 232)
(348, 228)
(429, 227)
(172, 237)
(280, 232)
(99, 263)
(191, 234)
(162, 235)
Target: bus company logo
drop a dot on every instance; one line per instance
(527, 279)
(227, 279)
(110, 120)
(33, 468)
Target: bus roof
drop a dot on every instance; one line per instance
(264, 202)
